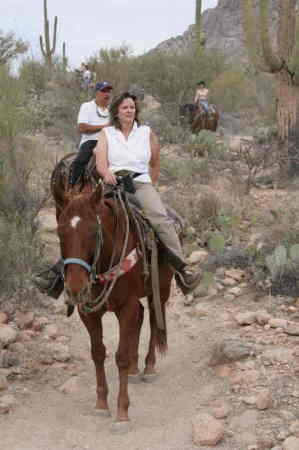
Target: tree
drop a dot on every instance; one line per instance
(10, 47)
(282, 61)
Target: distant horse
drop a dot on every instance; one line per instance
(97, 245)
(197, 117)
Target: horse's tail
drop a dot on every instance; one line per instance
(160, 333)
(161, 341)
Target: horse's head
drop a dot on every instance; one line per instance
(78, 229)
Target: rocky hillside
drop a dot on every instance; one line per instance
(222, 26)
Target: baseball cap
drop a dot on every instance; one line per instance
(100, 85)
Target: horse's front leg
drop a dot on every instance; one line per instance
(93, 323)
(128, 323)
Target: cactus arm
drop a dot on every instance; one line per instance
(294, 62)
(286, 29)
(42, 46)
(54, 36)
(249, 26)
(273, 62)
(198, 25)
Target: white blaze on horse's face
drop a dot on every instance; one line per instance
(74, 221)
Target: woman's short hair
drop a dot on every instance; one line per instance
(115, 105)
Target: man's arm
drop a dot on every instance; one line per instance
(196, 97)
(155, 158)
(101, 152)
(89, 129)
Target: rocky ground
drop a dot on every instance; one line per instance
(229, 379)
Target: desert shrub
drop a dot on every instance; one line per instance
(34, 76)
(233, 90)
(20, 197)
(114, 65)
(205, 143)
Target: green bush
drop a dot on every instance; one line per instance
(234, 90)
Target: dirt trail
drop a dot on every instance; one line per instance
(161, 412)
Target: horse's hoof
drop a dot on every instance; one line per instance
(134, 378)
(149, 377)
(102, 412)
(121, 427)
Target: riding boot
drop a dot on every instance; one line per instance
(186, 278)
(50, 281)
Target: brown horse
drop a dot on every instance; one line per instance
(92, 234)
(198, 119)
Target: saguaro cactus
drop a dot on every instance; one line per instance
(46, 48)
(64, 57)
(198, 32)
(282, 62)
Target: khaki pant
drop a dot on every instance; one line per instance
(153, 208)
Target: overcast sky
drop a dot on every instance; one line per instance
(88, 25)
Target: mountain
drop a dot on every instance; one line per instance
(223, 30)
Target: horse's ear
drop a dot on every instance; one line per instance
(96, 196)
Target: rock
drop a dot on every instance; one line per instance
(7, 335)
(291, 443)
(24, 320)
(230, 350)
(236, 274)
(197, 257)
(264, 400)
(39, 323)
(236, 291)
(223, 371)
(278, 323)
(292, 328)
(221, 410)
(247, 318)
(228, 282)
(262, 317)
(149, 103)
(51, 330)
(3, 383)
(3, 318)
(206, 430)
(71, 386)
(59, 352)
(249, 400)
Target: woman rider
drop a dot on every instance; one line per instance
(129, 146)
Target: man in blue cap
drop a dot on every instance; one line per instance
(92, 118)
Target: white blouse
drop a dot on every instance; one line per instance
(132, 154)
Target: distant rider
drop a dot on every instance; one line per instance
(201, 96)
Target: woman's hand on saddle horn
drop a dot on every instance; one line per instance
(109, 177)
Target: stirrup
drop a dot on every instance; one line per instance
(186, 287)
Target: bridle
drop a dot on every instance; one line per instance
(98, 302)
(91, 269)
